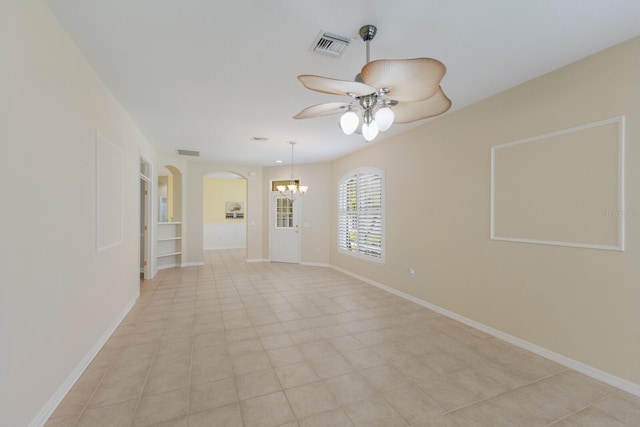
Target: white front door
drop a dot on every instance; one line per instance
(284, 229)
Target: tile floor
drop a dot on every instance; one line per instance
(237, 344)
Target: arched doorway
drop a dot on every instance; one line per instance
(224, 203)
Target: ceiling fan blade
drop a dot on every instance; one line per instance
(407, 79)
(322, 110)
(335, 87)
(407, 112)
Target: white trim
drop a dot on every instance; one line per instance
(150, 171)
(315, 264)
(620, 120)
(192, 264)
(101, 139)
(168, 266)
(170, 254)
(257, 260)
(621, 169)
(583, 368)
(222, 248)
(559, 243)
(41, 418)
(148, 209)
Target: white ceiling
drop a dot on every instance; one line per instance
(209, 75)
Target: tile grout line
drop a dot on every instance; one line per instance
(146, 378)
(583, 408)
(86, 404)
(193, 327)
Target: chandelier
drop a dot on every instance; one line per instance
(293, 190)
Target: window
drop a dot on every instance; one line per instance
(284, 213)
(361, 214)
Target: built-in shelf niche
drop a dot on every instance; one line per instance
(169, 231)
(169, 245)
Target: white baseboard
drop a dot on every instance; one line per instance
(192, 264)
(223, 248)
(41, 418)
(309, 264)
(583, 368)
(315, 264)
(184, 264)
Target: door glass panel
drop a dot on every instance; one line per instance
(284, 213)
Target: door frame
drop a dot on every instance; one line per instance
(297, 215)
(145, 214)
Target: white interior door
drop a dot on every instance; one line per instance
(284, 229)
(144, 228)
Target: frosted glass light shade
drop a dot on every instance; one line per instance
(370, 131)
(304, 188)
(384, 118)
(349, 122)
(281, 188)
(292, 187)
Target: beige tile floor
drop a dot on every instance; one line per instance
(237, 344)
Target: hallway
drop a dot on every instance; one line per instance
(266, 344)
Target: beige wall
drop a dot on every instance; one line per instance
(58, 295)
(580, 303)
(315, 206)
(216, 193)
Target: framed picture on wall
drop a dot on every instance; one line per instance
(234, 210)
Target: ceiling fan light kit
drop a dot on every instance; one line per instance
(349, 122)
(386, 91)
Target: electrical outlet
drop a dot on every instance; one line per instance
(412, 272)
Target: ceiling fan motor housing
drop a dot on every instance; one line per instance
(367, 103)
(368, 32)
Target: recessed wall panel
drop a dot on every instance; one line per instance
(563, 188)
(109, 193)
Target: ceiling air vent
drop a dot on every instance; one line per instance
(188, 153)
(330, 44)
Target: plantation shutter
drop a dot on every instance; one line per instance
(360, 210)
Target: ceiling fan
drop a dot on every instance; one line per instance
(386, 91)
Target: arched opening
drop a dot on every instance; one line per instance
(170, 194)
(224, 203)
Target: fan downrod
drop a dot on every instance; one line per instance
(367, 32)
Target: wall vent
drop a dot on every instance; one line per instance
(330, 44)
(188, 153)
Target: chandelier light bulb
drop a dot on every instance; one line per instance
(292, 191)
(384, 118)
(349, 122)
(370, 131)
